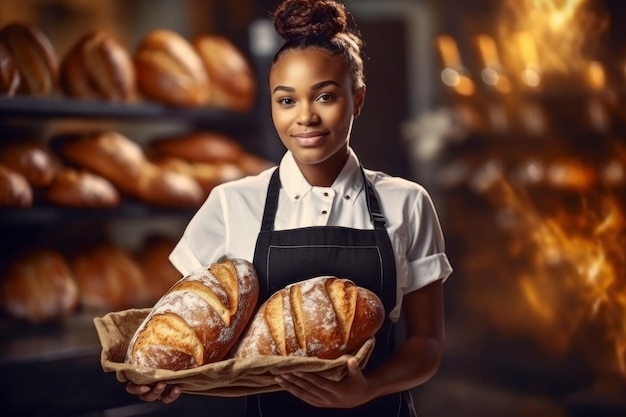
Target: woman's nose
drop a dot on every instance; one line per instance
(307, 115)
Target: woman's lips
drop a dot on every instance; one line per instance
(310, 138)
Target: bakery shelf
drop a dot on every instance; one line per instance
(61, 107)
(32, 343)
(45, 214)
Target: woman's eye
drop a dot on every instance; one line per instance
(325, 97)
(285, 101)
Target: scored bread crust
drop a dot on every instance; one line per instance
(321, 317)
(198, 320)
(34, 56)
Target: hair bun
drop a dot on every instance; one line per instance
(294, 18)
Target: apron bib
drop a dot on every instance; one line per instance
(363, 256)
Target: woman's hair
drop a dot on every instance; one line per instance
(320, 24)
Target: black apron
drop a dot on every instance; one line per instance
(363, 256)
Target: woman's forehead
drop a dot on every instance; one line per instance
(298, 66)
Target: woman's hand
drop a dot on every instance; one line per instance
(157, 392)
(321, 392)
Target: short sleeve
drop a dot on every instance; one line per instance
(426, 247)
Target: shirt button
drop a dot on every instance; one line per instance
(324, 212)
(297, 197)
(347, 197)
(325, 194)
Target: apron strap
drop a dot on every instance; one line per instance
(373, 205)
(271, 203)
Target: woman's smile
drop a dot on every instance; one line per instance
(310, 139)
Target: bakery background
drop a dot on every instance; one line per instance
(510, 112)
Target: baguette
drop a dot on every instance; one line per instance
(199, 319)
(323, 317)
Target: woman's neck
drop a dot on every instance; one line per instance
(325, 173)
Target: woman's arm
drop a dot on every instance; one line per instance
(418, 357)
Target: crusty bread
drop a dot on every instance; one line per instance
(109, 154)
(159, 272)
(232, 81)
(98, 66)
(15, 191)
(199, 146)
(124, 163)
(82, 189)
(169, 70)
(35, 58)
(109, 278)
(39, 287)
(199, 319)
(206, 174)
(321, 317)
(9, 74)
(31, 159)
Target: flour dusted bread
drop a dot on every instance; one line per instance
(323, 317)
(199, 319)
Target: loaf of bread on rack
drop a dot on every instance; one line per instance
(169, 70)
(323, 317)
(206, 174)
(34, 55)
(39, 287)
(15, 191)
(9, 74)
(81, 189)
(231, 78)
(109, 278)
(199, 319)
(124, 163)
(199, 146)
(153, 258)
(30, 158)
(98, 66)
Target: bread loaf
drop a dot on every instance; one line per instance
(109, 154)
(124, 163)
(159, 272)
(206, 174)
(39, 287)
(31, 159)
(199, 319)
(199, 146)
(35, 58)
(169, 70)
(9, 74)
(82, 189)
(15, 191)
(232, 81)
(321, 317)
(109, 278)
(98, 67)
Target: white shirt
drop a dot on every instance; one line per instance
(229, 221)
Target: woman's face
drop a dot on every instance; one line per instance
(313, 107)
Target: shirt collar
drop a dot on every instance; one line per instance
(348, 184)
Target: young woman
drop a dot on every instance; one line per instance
(384, 231)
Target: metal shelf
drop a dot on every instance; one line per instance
(62, 107)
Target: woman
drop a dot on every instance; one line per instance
(384, 231)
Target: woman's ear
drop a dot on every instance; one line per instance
(359, 99)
